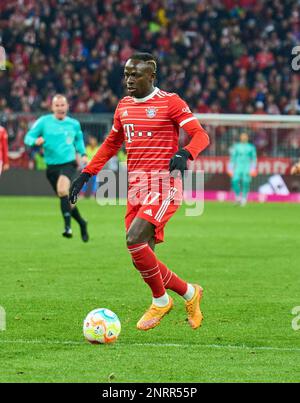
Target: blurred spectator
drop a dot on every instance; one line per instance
(259, 108)
(271, 107)
(293, 107)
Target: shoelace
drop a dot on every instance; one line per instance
(190, 307)
(154, 309)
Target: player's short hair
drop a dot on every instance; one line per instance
(147, 58)
(60, 96)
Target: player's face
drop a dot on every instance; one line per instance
(139, 78)
(60, 107)
(93, 141)
(244, 138)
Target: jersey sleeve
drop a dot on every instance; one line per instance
(79, 143)
(117, 125)
(109, 148)
(254, 157)
(232, 157)
(179, 111)
(181, 114)
(35, 131)
(233, 154)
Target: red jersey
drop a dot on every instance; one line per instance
(3, 146)
(150, 128)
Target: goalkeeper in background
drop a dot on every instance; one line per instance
(242, 167)
(61, 138)
(295, 170)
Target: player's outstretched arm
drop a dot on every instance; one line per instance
(200, 139)
(77, 185)
(108, 149)
(179, 161)
(180, 113)
(198, 143)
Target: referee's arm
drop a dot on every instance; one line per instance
(78, 142)
(34, 133)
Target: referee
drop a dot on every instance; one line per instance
(61, 138)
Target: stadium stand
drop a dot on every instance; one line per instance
(230, 56)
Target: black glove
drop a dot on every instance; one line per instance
(77, 185)
(179, 161)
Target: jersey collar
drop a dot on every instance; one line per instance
(151, 95)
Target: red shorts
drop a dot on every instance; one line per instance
(156, 208)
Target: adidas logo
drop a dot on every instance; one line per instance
(125, 113)
(148, 212)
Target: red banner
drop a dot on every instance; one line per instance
(18, 159)
(265, 165)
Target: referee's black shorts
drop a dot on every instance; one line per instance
(53, 172)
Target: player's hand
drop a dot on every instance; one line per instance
(230, 173)
(295, 169)
(77, 185)
(39, 141)
(5, 167)
(84, 160)
(179, 161)
(253, 173)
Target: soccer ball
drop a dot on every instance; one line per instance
(101, 326)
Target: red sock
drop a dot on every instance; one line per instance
(147, 264)
(171, 280)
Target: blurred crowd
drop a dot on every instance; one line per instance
(229, 56)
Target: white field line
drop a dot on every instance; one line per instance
(176, 345)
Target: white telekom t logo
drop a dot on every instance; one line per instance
(129, 131)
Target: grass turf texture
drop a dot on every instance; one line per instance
(247, 260)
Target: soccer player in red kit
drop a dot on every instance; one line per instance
(148, 120)
(4, 163)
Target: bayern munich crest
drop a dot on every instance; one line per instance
(151, 112)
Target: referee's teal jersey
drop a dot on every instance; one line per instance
(63, 138)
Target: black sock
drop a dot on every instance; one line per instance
(76, 215)
(66, 210)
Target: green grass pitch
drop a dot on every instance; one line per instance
(247, 260)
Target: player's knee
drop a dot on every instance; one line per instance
(130, 238)
(133, 238)
(62, 192)
(63, 186)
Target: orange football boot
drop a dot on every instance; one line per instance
(192, 307)
(153, 316)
